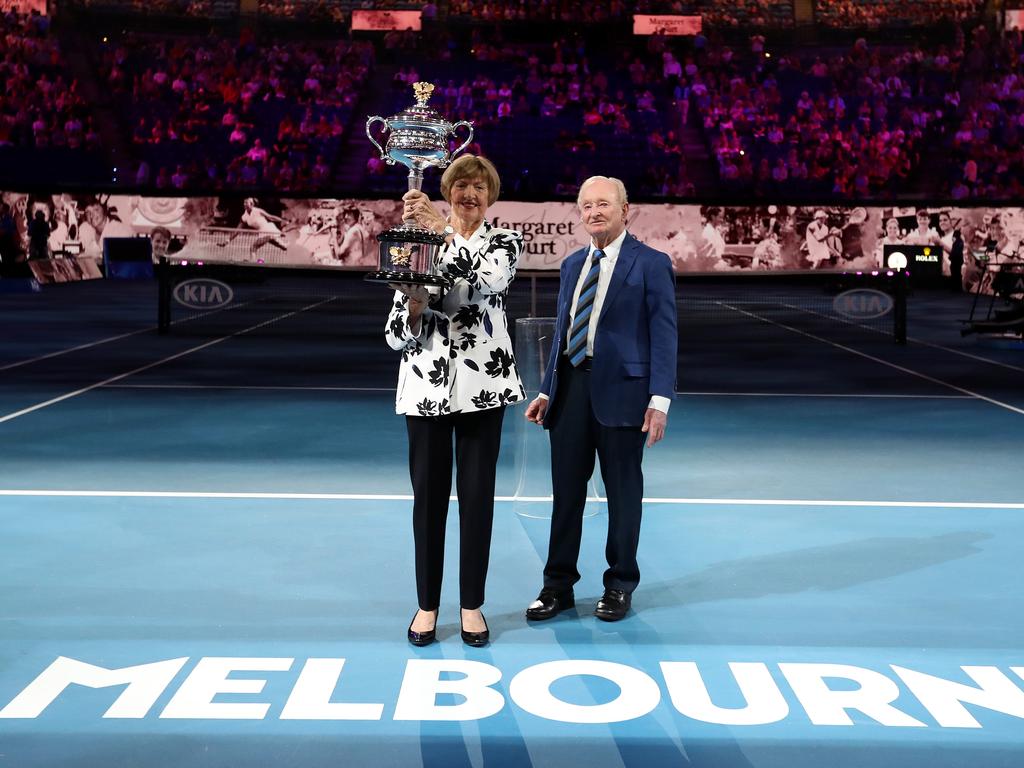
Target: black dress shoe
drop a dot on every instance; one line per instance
(422, 638)
(552, 603)
(477, 639)
(613, 605)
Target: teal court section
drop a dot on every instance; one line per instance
(267, 584)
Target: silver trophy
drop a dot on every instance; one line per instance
(418, 139)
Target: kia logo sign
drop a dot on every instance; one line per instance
(862, 304)
(203, 293)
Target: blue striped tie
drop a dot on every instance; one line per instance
(577, 349)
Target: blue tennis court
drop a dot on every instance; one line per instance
(207, 552)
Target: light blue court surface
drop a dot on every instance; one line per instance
(268, 584)
(206, 560)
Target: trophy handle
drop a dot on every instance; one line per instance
(369, 122)
(469, 127)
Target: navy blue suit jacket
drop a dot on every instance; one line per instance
(635, 343)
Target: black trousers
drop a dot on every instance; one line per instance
(576, 439)
(477, 441)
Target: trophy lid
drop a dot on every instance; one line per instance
(419, 113)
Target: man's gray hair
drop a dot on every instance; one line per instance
(620, 188)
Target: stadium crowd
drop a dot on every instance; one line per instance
(876, 14)
(42, 105)
(856, 120)
(850, 125)
(235, 113)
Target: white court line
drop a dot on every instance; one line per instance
(904, 369)
(69, 350)
(970, 355)
(849, 395)
(83, 390)
(247, 386)
(109, 339)
(915, 340)
(408, 497)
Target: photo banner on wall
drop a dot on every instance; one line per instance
(709, 239)
(664, 24)
(342, 232)
(25, 7)
(383, 21)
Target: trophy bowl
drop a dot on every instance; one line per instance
(418, 139)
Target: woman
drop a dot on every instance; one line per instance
(892, 236)
(817, 238)
(456, 377)
(352, 239)
(254, 217)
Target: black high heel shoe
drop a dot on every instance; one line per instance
(476, 639)
(422, 638)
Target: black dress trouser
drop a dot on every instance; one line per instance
(477, 441)
(576, 438)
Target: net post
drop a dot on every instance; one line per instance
(899, 317)
(163, 311)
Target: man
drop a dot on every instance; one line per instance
(10, 249)
(608, 385)
(925, 234)
(160, 242)
(952, 251)
(712, 244)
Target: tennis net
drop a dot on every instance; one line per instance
(806, 302)
(204, 296)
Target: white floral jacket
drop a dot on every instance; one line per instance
(462, 359)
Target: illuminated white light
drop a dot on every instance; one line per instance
(897, 260)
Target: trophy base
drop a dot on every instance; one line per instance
(406, 278)
(408, 254)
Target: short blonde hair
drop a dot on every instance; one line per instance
(620, 188)
(471, 167)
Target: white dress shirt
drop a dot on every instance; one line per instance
(611, 256)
